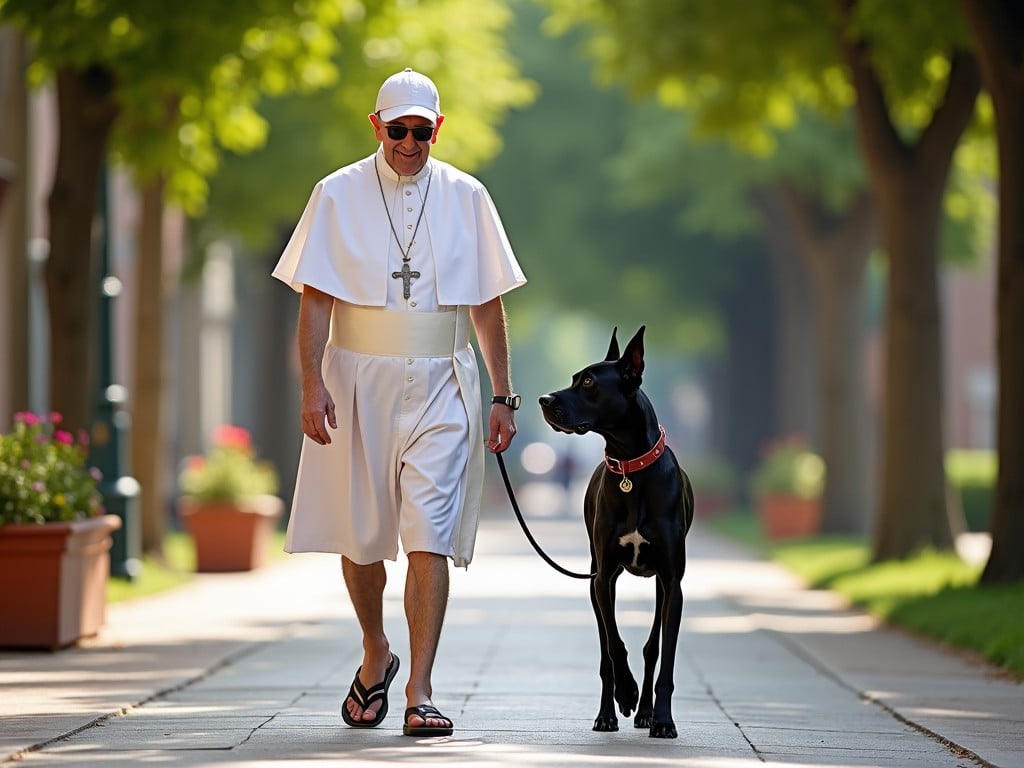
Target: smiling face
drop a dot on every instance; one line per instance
(407, 155)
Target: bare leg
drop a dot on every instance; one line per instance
(426, 598)
(366, 590)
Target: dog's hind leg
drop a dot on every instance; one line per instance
(663, 726)
(617, 683)
(645, 710)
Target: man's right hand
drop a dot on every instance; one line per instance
(318, 407)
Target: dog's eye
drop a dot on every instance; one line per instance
(588, 381)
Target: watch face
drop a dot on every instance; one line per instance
(512, 401)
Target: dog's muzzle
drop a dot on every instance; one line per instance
(557, 417)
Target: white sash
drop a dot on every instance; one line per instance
(376, 331)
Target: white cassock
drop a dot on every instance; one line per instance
(406, 461)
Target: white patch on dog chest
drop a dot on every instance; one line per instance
(634, 539)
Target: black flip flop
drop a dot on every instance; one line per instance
(424, 711)
(364, 696)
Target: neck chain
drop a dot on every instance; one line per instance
(398, 241)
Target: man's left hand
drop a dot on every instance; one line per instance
(502, 427)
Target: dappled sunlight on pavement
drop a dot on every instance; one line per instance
(250, 669)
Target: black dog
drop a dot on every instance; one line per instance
(638, 509)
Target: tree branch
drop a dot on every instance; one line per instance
(879, 137)
(950, 118)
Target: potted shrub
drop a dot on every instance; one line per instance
(54, 537)
(228, 503)
(714, 485)
(787, 487)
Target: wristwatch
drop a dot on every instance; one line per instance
(512, 401)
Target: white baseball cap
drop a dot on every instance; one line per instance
(408, 93)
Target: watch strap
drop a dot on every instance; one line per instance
(512, 401)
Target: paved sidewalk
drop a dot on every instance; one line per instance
(250, 669)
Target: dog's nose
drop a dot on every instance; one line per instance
(546, 400)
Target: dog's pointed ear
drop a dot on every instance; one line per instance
(613, 347)
(632, 361)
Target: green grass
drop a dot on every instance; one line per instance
(177, 567)
(933, 593)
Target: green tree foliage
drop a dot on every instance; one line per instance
(459, 43)
(904, 66)
(188, 76)
(583, 248)
(171, 83)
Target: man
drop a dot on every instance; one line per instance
(395, 256)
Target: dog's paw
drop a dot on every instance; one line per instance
(627, 696)
(644, 719)
(603, 723)
(663, 731)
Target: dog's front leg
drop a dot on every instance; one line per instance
(617, 683)
(606, 719)
(664, 726)
(645, 710)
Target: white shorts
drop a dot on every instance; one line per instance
(396, 466)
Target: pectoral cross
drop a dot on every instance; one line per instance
(406, 276)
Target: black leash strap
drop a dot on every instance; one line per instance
(526, 530)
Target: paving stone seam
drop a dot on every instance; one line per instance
(808, 656)
(709, 689)
(226, 661)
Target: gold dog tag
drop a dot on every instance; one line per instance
(626, 485)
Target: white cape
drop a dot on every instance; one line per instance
(340, 244)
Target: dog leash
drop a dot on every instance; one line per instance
(526, 530)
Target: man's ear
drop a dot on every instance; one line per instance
(437, 127)
(377, 125)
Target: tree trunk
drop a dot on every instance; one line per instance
(909, 180)
(86, 114)
(838, 266)
(148, 452)
(998, 32)
(796, 396)
(834, 250)
(14, 216)
(913, 510)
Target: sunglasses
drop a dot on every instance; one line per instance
(397, 132)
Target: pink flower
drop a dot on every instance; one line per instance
(228, 436)
(195, 463)
(56, 418)
(29, 419)
(63, 437)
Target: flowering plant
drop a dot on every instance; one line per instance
(230, 472)
(789, 466)
(43, 473)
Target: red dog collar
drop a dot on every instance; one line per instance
(620, 467)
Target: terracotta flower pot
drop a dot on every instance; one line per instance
(231, 536)
(783, 516)
(61, 572)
